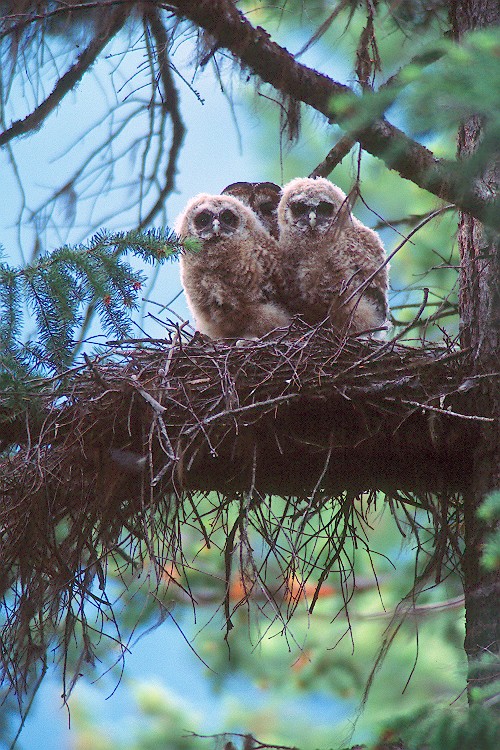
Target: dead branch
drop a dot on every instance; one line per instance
(251, 743)
(170, 107)
(334, 157)
(367, 404)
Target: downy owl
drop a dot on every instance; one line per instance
(262, 198)
(332, 265)
(228, 280)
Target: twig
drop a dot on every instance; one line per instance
(28, 707)
(112, 24)
(396, 250)
(334, 157)
(157, 407)
(447, 412)
(171, 105)
(250, 407)
(95, 371)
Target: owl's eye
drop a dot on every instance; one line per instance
(228, 218)
(203, 219)
(299, 208)
(325, 209)
(267, 208)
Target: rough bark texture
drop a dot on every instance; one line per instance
(480, 321)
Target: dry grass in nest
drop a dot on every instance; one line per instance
(294, 439)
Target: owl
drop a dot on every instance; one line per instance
(328, 258)
(262, 198)
(228, 280)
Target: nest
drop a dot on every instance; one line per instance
(294, 439)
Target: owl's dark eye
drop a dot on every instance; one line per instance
(267, 208)
(203, 219)
(299, 208)
(325, 209)
(228, 218)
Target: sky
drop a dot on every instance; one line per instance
(227, 140)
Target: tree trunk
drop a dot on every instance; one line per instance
(480, 330)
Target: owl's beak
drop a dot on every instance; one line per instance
(312, 219)
(215, 226)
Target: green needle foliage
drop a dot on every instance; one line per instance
(452, 729)
(464, 79)
(59, 292)
(58, 287)
(489, 512)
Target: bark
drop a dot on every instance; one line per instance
(480, 330)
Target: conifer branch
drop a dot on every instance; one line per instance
(57, 284)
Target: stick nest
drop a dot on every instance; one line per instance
(272, 452)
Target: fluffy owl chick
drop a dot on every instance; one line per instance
(228, 281)
(262, 198)
(327, 255)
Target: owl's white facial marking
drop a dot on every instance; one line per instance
(310, 209)
(229, 285)
(336, 266)
(311, 215)
(212, 224)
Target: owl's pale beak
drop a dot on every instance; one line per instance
(216, 226)
(312, 219)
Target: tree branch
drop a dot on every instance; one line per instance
(171, 107)
(255, 50)
(66, 82)
(317, 420)
(334, 157)
(283, 398)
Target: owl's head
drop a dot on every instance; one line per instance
(262, 198)
(211, 218)
(310, 207)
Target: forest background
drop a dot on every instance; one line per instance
(299, 685)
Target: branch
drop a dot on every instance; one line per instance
(251, 743)
(171, 107)
(282, 398)
(67, 81)
(255, 50)
(334, 157)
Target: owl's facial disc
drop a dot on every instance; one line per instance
(210, 225)
(311, 216)
(203, 221)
